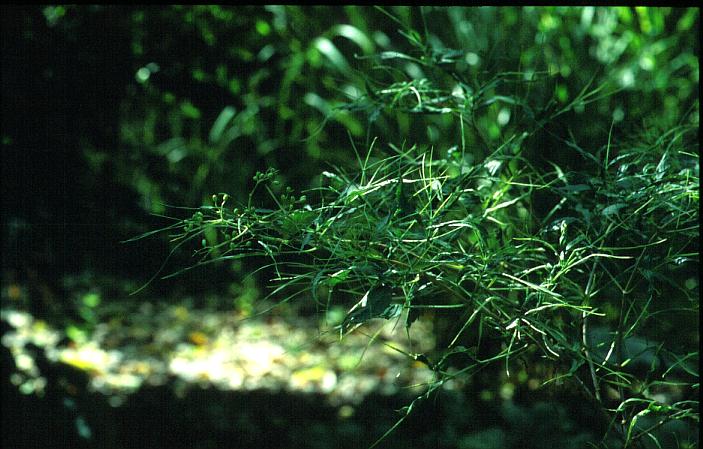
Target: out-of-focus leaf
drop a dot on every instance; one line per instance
(189, 110)
(327, 48)
(221, 122)
(355, 35)
(91, 300)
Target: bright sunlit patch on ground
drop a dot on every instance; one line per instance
(215, 349)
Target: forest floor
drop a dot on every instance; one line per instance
(124, 371)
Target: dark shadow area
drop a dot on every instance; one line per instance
(69, 416)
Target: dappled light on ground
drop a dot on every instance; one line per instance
(168, 343)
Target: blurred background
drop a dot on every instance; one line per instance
(114, 118)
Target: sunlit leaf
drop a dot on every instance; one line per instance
(376, 303)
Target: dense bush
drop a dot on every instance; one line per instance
(179, 102)
(527, 179)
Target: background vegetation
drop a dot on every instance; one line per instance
(525, 180)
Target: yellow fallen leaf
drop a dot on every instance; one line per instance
(198, 338)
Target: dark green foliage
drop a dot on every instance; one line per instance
(527, 179)
(537, 248)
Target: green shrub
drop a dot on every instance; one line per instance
(581, 257)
